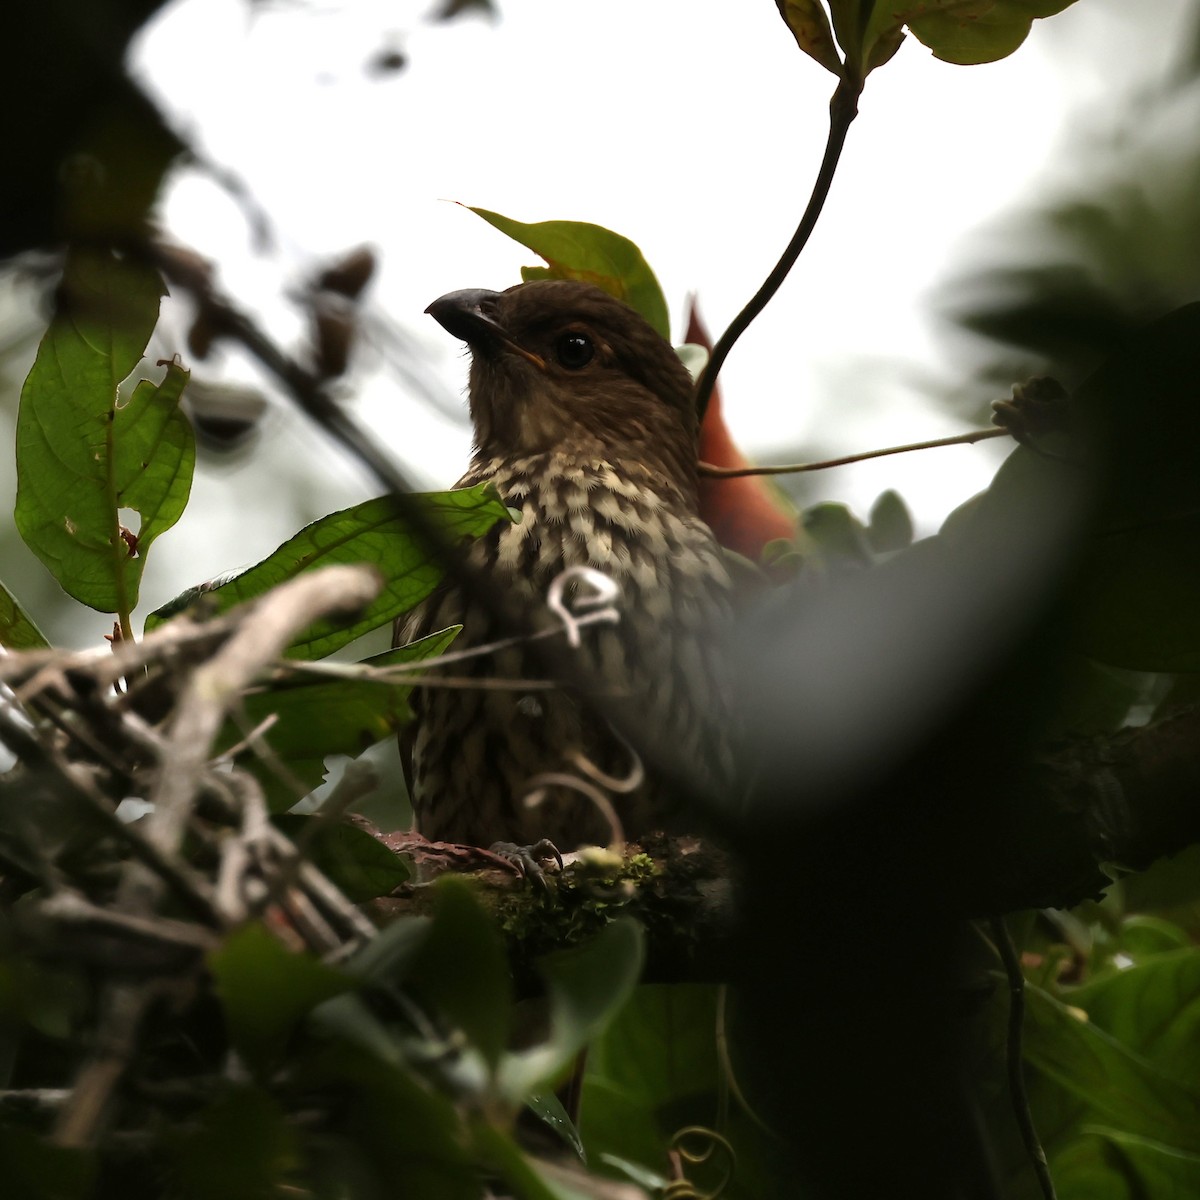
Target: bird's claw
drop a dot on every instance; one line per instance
(527, 860)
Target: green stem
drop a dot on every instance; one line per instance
(120, 551)
(843, 108)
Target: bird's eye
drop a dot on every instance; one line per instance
(574, 350)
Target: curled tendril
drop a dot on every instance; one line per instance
(693, 1145)
(600, 601)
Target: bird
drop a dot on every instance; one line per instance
(585, 423)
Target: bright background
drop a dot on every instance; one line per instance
(693, 127)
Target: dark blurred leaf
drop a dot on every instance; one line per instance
(266, 991)
(839, 536)
(34, 1169)
(372, 532)
(593, 254)
(1160, 1170)
(17, 630)
(82, 456)
(890, 525)
(1143, 581)
(242, 1147)
(588, 984)
(406, 1138)
(461, 970)
(361, 866)
(317, 718)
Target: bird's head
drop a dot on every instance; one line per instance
(561, 365)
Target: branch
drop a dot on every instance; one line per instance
(958, 439)
(843, 108)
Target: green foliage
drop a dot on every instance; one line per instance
(359, 865)
(83, 454)
(376, 532)
(318, 716)
(957, 31)
(17, 629)
(593, 254)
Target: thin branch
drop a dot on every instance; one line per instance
(1016, 1073)
(843, 108)
(959, 439)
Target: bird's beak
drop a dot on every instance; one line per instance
(466, 314)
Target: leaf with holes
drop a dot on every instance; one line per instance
(100, 477)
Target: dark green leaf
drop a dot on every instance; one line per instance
(838, 535)
(890, 524)
(389, 957)
(526, 1178)
(83, 456)
(372, 532)
(957, 31)
(548, 1108)
(316, 718)
(810, 27)
(1121, 1088)
(266, 991)
(1142, 587)
(17, 630)
(404, 1138)
(462, 972)
(241, 1147)
(361, 866)
(1153, 1008)
(579, 250)
(34, 1169)
(1160, 1170)
(588, 984)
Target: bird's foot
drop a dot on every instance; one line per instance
(527, 860)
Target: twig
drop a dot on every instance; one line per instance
(843, 108)
(1016, 1074)
(959, 439)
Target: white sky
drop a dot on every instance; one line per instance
(694, 127)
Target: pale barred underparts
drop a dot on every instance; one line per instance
(666, 665)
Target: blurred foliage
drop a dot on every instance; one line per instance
(861, 1040)
(1056, 287)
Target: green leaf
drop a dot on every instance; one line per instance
(810, 27)
(967, 33)
(240, 1147)
(405, 1140)
(372, 532)
(361, 866)
(837, 534)
(1153, 1008)
(890, 524)
(83, 456)
(1123, 1089)
(17, 630)
(462, 971)
(1160, 1170)
(266, 992)
(593, 254)
(317, 717)
(35, 1169)
(957, 31)
(548, 1108)
(588, 984)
